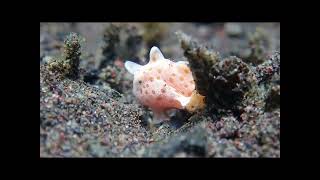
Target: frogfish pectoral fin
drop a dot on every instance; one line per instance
(159, 116)
(132, 67)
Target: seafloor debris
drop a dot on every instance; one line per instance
(223, 81)
(111, 39)
(113, 75)
(258, 43)
(269, 68)
(120, 41)
(68, 64)
(154, 33)
(200, 59)
(273, 98)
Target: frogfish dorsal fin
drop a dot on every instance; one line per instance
(155, 54)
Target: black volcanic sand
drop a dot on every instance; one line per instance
(87, 108)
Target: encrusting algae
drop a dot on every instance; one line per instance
(163, 85)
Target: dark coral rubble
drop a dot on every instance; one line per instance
(68, 64)
(224, 81)
(87, 108)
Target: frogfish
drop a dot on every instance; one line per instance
(163, 85)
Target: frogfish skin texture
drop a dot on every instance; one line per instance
(163, 84)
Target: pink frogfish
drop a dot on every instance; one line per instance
(163, 85)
